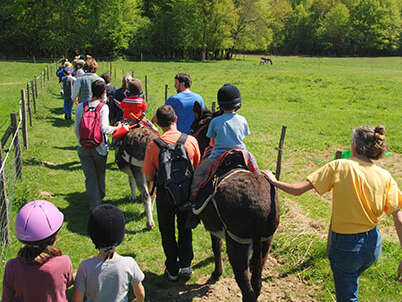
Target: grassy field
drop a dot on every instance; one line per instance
(320, 100)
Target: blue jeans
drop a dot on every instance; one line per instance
(350, 255)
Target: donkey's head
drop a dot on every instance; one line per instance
(199, 127)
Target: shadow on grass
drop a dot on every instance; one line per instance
(160, 289)
(70, 166)
(57, 110)
(69, 148)
(77, 212)
(60, 122)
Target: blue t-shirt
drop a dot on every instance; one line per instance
(182, 104)
(229, 130)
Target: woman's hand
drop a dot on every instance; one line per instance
(271, 177)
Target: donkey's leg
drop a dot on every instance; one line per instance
(257, 264)
(217, 249)
(133, 186)
(239, 259)
(145, 196)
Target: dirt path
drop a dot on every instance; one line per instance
(276, 286)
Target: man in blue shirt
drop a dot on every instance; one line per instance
(183, 101)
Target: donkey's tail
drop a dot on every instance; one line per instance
(256, 259)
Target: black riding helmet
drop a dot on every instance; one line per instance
(106, 226)
(229, 97)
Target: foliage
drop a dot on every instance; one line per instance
(200, 29)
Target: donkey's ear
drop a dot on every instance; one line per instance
(197, 108)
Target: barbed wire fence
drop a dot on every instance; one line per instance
(11, 165)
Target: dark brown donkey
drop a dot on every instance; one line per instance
(245, 212)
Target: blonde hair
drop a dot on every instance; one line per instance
(370, 141)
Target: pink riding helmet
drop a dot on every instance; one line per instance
(38, 220)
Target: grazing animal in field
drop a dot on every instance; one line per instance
(244, 211)
(130, 153)
(264, 60)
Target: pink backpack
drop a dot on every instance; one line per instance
(90, 126)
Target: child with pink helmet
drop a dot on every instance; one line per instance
(40, 272)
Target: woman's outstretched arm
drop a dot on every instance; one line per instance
(297, 188)
(398, 227)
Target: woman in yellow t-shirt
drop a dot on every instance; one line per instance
(361, 193)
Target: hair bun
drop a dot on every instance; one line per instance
(379, 132)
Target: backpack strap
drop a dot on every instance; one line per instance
(85, 106)
(99, 106)
(160, 143)
(182, 139)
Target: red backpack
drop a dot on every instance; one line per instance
(90, 126)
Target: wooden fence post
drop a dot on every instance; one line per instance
(36, 87)
(47, 72)
(17, 146)
(24, 119)
(146, 89)
(33, 95)
(110, 70)
(5, 224)
(279, 160)
(213, 107)
(28, 99)
(166, 91)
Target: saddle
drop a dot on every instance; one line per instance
(225, 165)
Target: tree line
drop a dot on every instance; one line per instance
(200, 29)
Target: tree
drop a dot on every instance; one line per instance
(335, 30)
(376, 27)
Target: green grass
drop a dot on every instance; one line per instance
(319, 99)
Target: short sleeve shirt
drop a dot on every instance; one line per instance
(31, 282)
(182, 104)
(151, 160)
(108, 280)
(229, 131)
(361, 193)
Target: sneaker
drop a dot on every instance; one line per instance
(170, 277)
(186, 271)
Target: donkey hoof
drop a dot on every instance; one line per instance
(214, 277)
(150, 225)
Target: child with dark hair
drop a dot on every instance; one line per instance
(40, 272)
(107, 276)
(133, 103)
(110, 89)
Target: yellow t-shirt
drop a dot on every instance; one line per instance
(361, 192)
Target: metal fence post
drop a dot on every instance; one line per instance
(166, 91)
(213, 107)
(17, 146)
